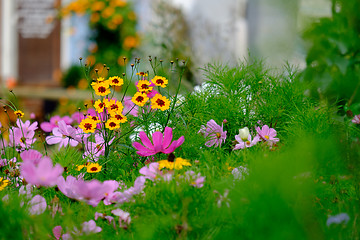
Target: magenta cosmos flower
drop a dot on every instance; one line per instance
(267, 134)
(160, 143)
(214, 133)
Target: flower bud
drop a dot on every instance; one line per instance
(244, 133)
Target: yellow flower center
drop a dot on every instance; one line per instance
(266, 136)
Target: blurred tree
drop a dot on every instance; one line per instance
(333, 58)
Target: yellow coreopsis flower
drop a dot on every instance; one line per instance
(144, 86)
(114, 106)
(116, 81)
(99, 106)
(140, 99)
(101, 88)
(94, 118)
(88, 125)
(119, 117)
(3, 183)
(160, 102)
(93, 168)
(19, 113)
(160, 81)
(112, 124)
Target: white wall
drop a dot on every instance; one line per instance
(9, 53)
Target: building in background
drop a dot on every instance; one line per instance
(35, 47)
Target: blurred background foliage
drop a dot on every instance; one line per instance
(113, 24)
(333, 57)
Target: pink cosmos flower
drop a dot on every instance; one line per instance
(161, 143)
(79, 116)
(42, 174)
(49, 126)
(63, 134)
(3, 162)
(67, 187)
(126, 196)
(151, 171)
(94, 150)
(32, 156)
(92, 192)
(356, 119)
(246, 144)
(37, 205)
(23, 134)
(267, 134)
(214, 133)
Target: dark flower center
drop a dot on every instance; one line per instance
(160, 102)
(159, 81)
(112, 124)
(115, 80)
(102, 89)
(114, 106)
(93, 169)
(118, 117)
(87, 126)
(140, 98)
(101, 105)
(145, 86)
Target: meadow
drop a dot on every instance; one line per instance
(249, 154)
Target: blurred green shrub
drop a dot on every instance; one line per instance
(333, 58)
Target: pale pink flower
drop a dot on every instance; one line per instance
(246, 144)
(93, 191)
(42, 174)
(160, 143)
(267, 134)
(214, 133)
(195, 180)
(90, 227)
(37, 205)
(31, 155)
(67, 187)
(63, 134)
(356, 119)
(23, 134)
(124, 217)
(151, 171)
(94, 150)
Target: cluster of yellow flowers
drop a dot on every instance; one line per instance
(177, 164)
(3, 183)
(111, 107)
(110, 12)
(145, 87)
(90, 167)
